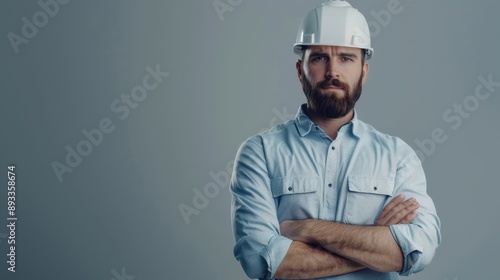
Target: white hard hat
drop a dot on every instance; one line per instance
(334, 23)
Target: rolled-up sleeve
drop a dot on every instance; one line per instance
(419, 239)
(259, 247)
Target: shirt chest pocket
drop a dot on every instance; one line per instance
(296, 197)
(366, 198)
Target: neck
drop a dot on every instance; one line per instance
(330, 125)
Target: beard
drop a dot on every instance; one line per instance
(329, 105)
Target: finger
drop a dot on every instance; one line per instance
(409, 218)
(397, 213)
(397, 200)
(404, 209)
(390, 209)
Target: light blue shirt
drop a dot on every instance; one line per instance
(295, 171)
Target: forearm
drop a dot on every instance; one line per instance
(371, 246)
(304, 261)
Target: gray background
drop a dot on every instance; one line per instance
(228, 78)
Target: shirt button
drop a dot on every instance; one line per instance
(333, 148)
(375, 188)
(330, 185)
(290, 188)
(317, 128)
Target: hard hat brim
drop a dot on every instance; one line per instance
(298, 48)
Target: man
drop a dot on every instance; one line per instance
(326, 195)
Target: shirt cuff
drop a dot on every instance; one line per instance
(404, 236)
(275, 252)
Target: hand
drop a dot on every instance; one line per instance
(294, 229)
(398, 211)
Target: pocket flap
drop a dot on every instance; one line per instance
(363, 184)
(294, 185)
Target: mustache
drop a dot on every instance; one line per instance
(333, 82)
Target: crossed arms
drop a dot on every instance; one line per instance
(312, 248)
(322, 248)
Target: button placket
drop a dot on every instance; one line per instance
(330, 192)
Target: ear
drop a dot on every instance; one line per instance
(298, 66)
(365, 72)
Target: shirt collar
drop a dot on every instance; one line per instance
(303, 122)
(305, 125)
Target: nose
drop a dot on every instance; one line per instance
(332, 70)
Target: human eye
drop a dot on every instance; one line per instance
(319, 58)
(345, 58)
